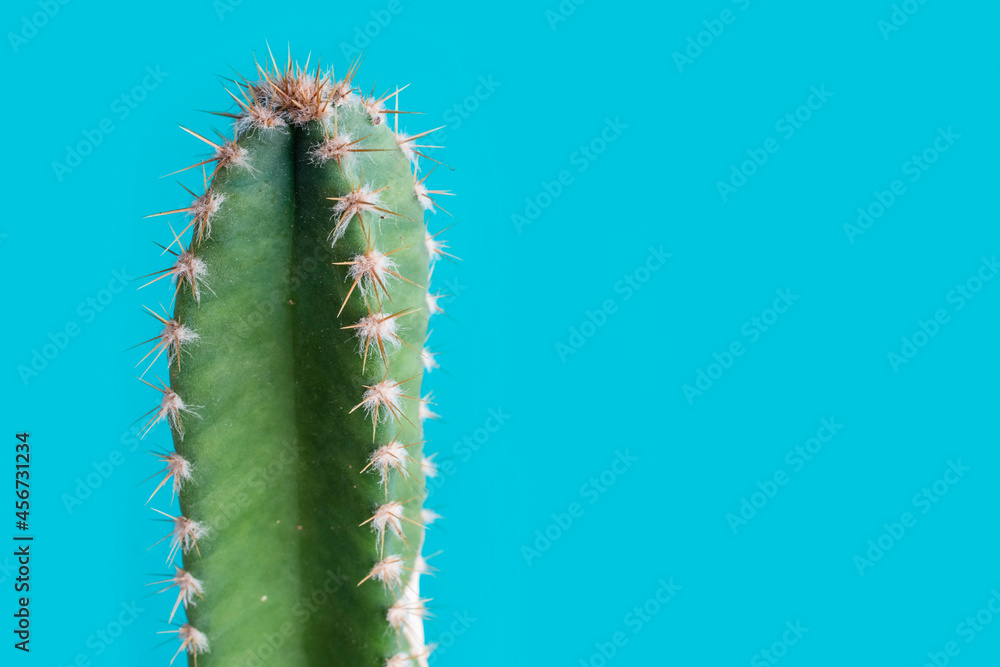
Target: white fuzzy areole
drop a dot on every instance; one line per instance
(170, 339)
(389, 515)
(371, 270)
(183, 534)
(343, 94)
(404, 611)
(178, 469)
(192, 640)
(397, 615)
(433, 246)
(207, 205)
(423, 196)
(428, 516)
(169, 411)
(171, 406)
(355, 202)
(432, 303)
(231, 154)
(188, 587)
(305, 92)
(332, 148)
(375, 109)
(428, 466)
(258, 116)
(428, 360)
(202, 209)
(385, 394)
(378, 330)
(191, 269)
(404, 141)
(424, 411)
(174, 335)
(388, 457)
(389, 571)
(413, 622)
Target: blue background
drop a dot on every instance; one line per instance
(570, 400)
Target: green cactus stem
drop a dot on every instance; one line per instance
(296, 355)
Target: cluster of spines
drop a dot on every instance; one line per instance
(293, 95)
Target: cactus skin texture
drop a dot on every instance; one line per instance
(296, 354)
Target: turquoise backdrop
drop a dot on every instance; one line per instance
(719, 365)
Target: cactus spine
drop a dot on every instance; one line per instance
(296, 353)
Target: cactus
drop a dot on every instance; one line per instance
(296, 351)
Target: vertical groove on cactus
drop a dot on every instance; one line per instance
(296, 351)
